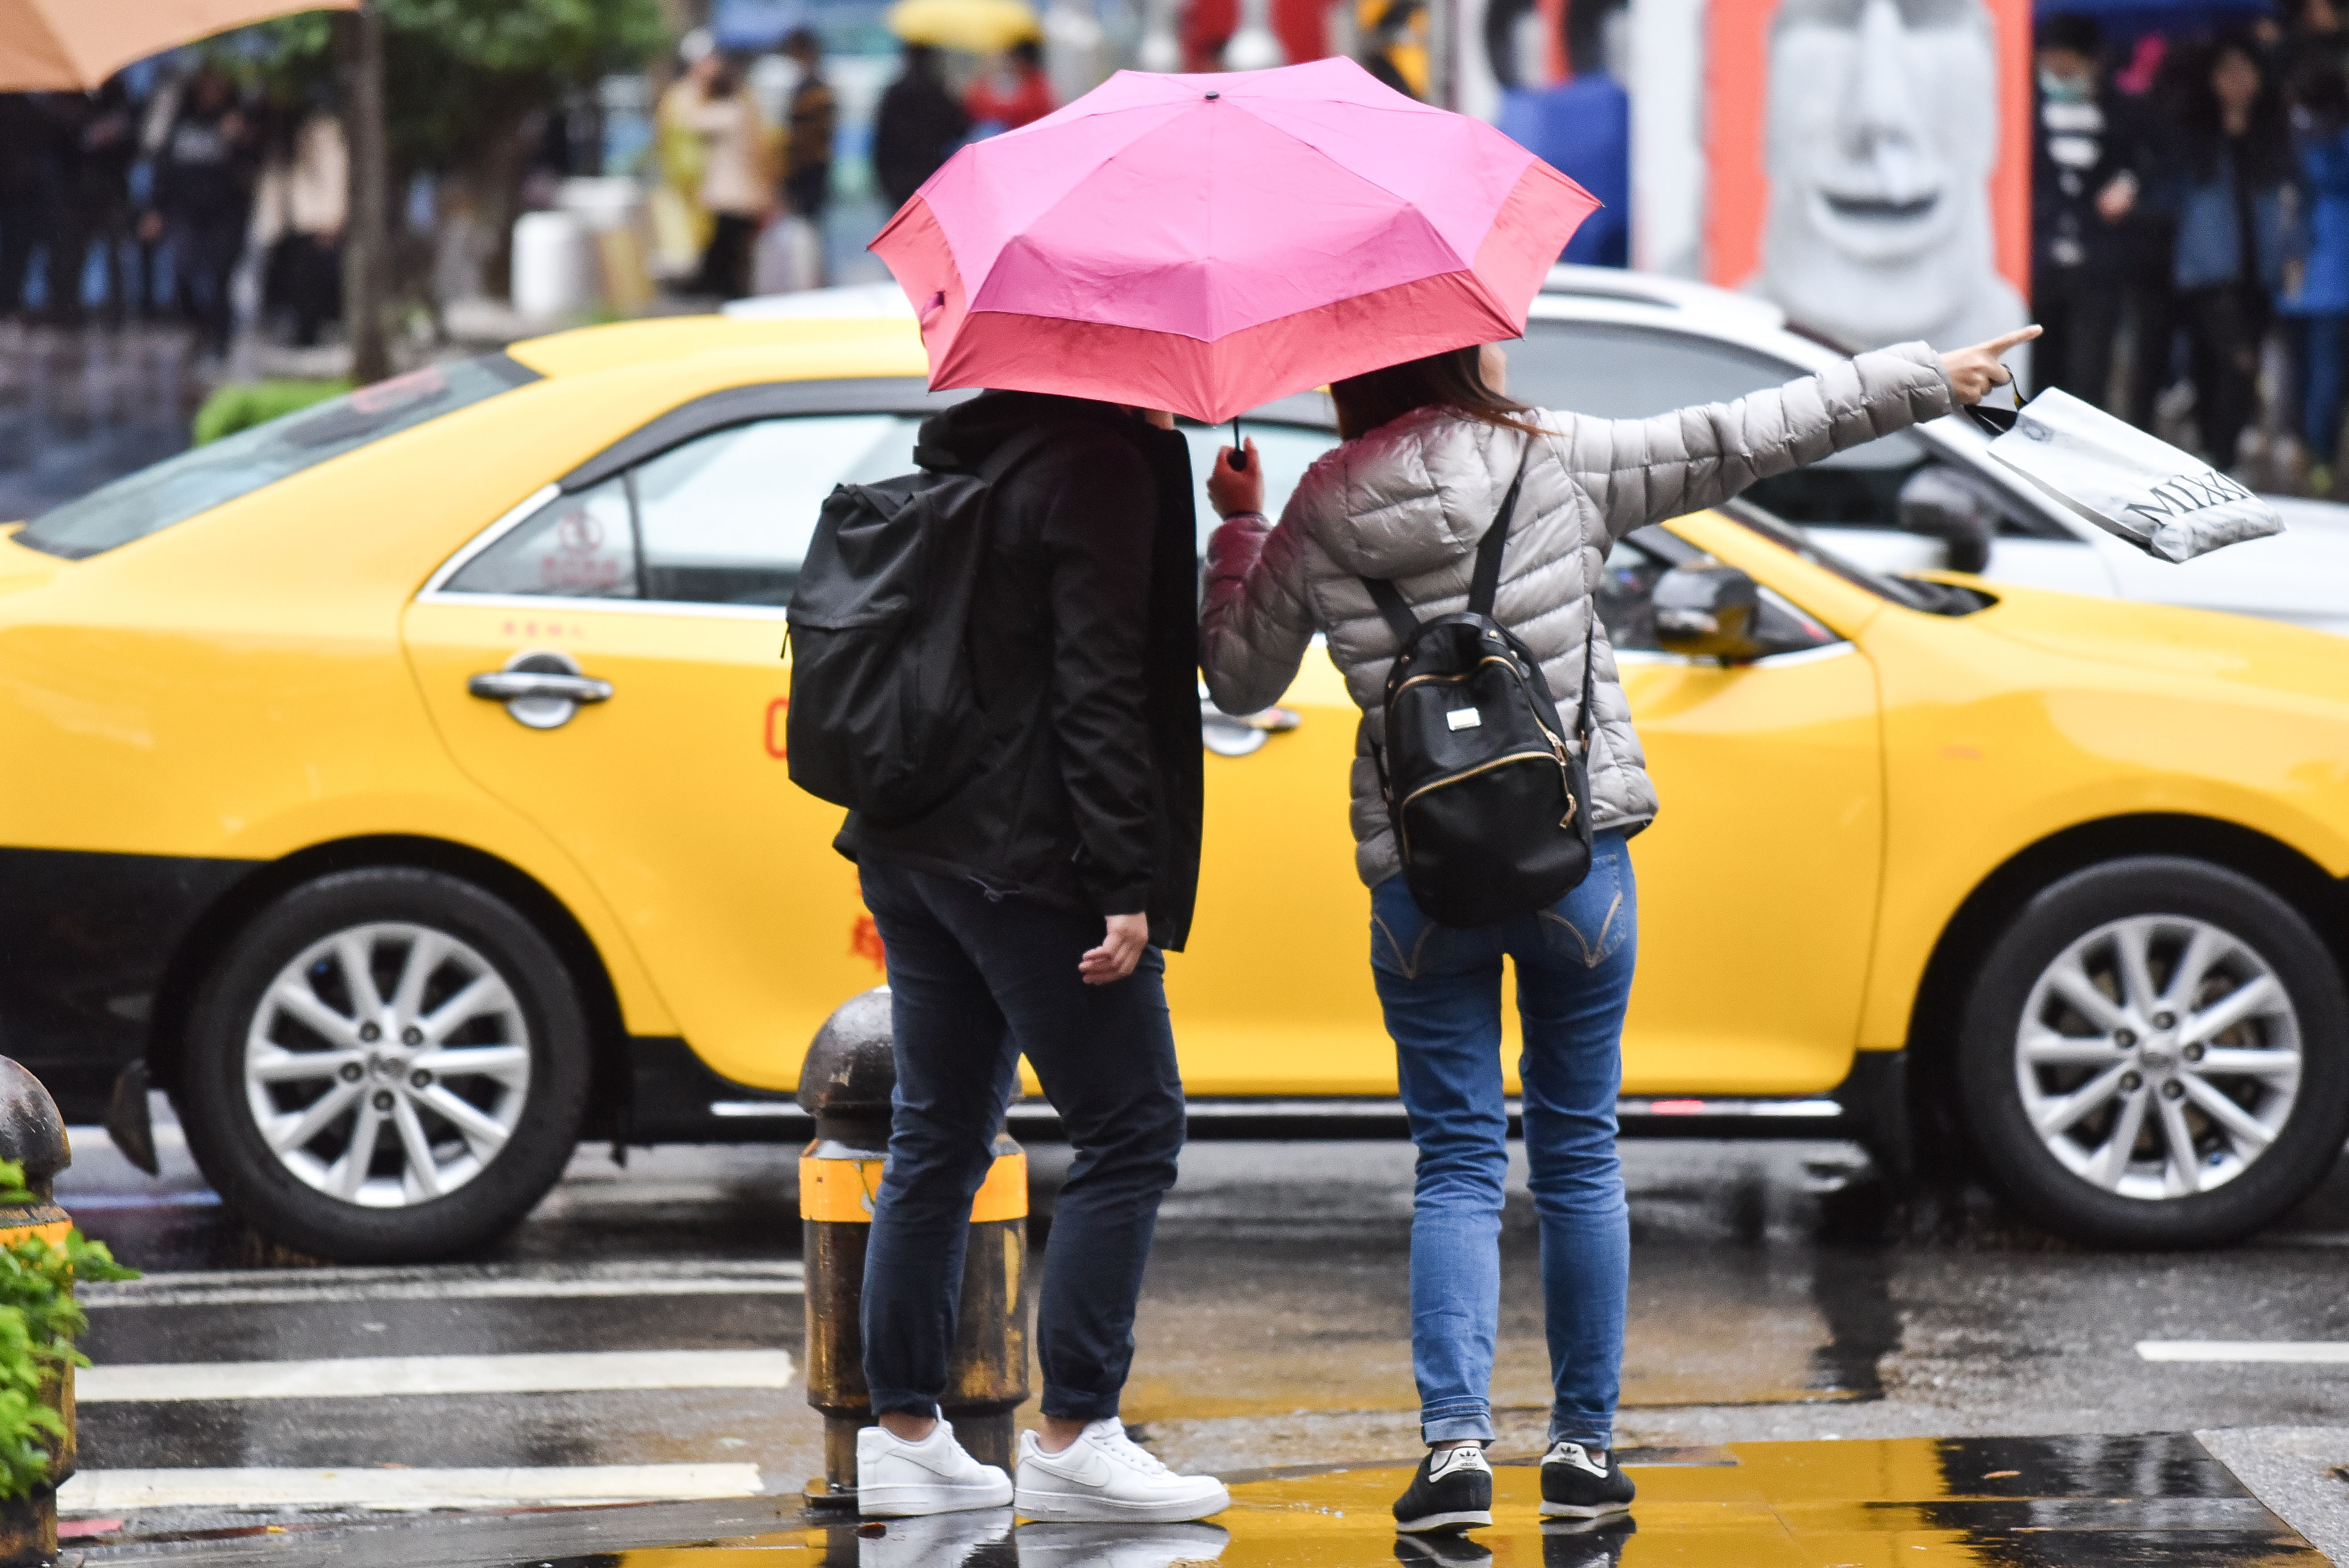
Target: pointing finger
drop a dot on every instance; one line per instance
(2000, 344)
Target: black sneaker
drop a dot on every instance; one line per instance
(1583, 1483)
(1452, 1490)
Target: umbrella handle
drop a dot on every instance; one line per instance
(1239, 451)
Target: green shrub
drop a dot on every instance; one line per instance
(39, 1322)
(241, 404)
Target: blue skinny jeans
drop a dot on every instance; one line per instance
(1441, 987)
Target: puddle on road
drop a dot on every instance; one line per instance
(2157, 1501)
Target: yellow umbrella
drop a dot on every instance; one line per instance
(68, 46)
(981, 26)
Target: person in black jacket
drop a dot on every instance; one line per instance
(1026, 915)
(915, 127)
(2082, 191)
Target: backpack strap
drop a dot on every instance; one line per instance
(1590, 678)
(1484, 584)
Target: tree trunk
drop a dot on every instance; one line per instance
(358, 39)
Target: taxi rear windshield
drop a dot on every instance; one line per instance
(197, 481)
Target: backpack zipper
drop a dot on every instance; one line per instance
(1557, 741)
(1565, 777)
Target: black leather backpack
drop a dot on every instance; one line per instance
(1490, 804)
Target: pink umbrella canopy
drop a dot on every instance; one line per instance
(1205, 243)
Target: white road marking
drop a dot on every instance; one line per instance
(2305, 1351)
(114, 1492)
(372, 1377)
(321, 1286)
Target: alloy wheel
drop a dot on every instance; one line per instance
(387, 1064)
(2158, 1057)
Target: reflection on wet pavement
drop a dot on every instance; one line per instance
(2080, 1502)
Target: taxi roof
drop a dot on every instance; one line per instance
(800, 349)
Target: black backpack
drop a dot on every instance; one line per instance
(1490, 806)
(883, 716)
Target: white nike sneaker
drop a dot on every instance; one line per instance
(935, 1540)
(1120, 1545)
(899, 1479)
(1104, 1475)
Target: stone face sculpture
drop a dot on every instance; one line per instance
(1882, 135)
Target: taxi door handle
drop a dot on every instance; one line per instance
(512, 686)
(541, 687)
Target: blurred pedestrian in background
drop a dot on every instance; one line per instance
(1012, 92)
(813, 119)
(98, 144)
(2081, 191)
(2226, 189)
(2316, 295)
(916, 127)
(203, 173)
(303, 202)
(21, 204)
(680, 220)
(732, 134)
(1390, 33)
(2141, 114)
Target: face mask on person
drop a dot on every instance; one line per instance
(2059, 89)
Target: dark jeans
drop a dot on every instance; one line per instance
(206, 244)
(976, 979)
(2079, 314)
(2226, 323)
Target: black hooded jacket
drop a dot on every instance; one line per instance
(1084, 652)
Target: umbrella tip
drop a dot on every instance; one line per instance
(1211, 97)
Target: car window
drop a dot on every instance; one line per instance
(724, 518)
(1626, 604)
(580, 546)
(1618, 372)
(197, 481)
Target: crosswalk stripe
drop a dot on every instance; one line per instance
(372, 1377)
(118, 1491)
(320, 1286)
(2305, 1351)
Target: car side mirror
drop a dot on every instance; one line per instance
(1710, 612)
(1940, 502)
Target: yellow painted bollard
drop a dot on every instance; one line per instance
(845, 1086)
(33, 1134)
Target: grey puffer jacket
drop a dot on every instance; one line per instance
(1409, 501)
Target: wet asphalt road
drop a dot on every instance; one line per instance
(1273, 1332)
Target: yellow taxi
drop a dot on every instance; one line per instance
(402, 787)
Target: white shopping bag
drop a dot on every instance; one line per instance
(2169, 503)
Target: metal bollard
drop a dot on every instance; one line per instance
(33, 1134)
(845, 1086)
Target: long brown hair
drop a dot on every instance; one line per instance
(1453, 379)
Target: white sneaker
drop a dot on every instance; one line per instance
(935, 1540)
(1120, 1545)
(899, 1479)
(1103, 1476)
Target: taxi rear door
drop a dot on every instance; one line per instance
(608, 662)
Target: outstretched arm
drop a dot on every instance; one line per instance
(1647, 471)
(1255, 624)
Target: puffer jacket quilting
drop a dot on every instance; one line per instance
(1409, 501)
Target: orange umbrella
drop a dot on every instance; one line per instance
(69, 46)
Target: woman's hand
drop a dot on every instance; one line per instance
(1231, 490)
(1972, 372)
(1119, 950)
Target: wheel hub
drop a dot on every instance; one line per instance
(388, 1065)
(2158, 1057)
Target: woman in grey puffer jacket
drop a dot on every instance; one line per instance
(1431, 448)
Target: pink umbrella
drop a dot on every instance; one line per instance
(1205, 243)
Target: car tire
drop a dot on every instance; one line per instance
(2089, 1056)
(459, 1067)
